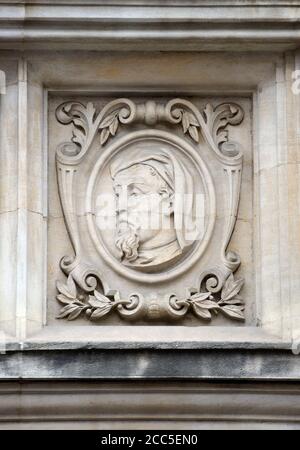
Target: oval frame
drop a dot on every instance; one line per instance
(188, 150)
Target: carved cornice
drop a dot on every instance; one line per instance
(88, 404)
(194, 3)
(267, 24)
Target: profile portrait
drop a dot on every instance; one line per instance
(155, 206)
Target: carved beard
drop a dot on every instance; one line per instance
(128, 243)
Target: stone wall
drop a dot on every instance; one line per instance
(150, 212)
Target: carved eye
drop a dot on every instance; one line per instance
(163, 191)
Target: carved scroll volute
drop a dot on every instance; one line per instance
(87, 124)
(217, 120)
(69, 155)
(231, 259)
(218, 281)
(66, 177)
(213, 125)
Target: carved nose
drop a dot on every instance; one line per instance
(122, 203)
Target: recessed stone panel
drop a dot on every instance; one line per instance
(150, 211)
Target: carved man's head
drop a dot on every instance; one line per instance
(145, 188)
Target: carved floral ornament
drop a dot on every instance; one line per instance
(149, 148)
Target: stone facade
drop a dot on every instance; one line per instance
(150, 211)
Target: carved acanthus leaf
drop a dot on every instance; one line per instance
(87, 123)
(218, 118)
(81, 116)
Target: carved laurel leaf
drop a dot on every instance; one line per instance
(104, 136)
(194, 133)
(200, 296)
(74, 314)
(201, 312)
(67, 310)
(102, 305)
(63, 299)
(185, 121)
(71, 286)
(207, 304)
(237, 300)
(99, 300)
(189, 124)
(68, 290)
(203, 303)
(108, 120)
(233, 311)
(101, 312)
(109, 126)
(231, 288)
(113, 127)
(192, 119)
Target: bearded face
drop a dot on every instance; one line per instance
(140, 194)
(128, 243)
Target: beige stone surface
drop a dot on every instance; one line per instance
(262, 234)
(132, 25)
(203, 51)
(142, 405)
(268, 246)
(59, 133)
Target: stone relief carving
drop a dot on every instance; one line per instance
(162, 209)
(160, 175)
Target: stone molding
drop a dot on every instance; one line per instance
(151, 364)
(24, 24)
(146, 405)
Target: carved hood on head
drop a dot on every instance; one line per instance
(179, 180)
